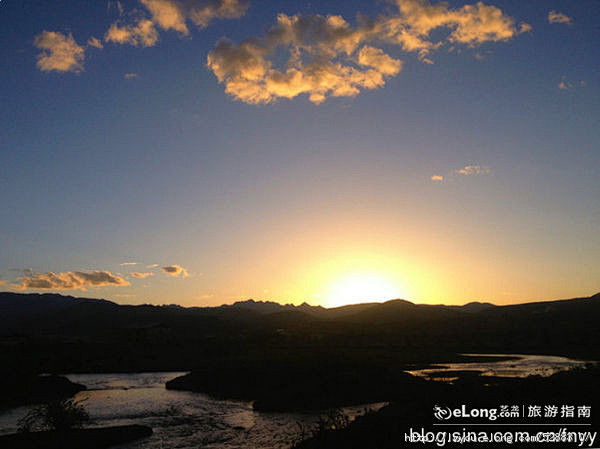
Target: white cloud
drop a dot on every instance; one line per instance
(559, 17)
(326, 56)
(125, 264)
(60, 52)
(175, 270)
(69, 280)
(437, 178)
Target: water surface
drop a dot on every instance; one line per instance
(180, 419)
(511, 365)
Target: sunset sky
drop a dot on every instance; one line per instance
(201, 152)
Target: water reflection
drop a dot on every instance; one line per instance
(511, 365)
(179, 419)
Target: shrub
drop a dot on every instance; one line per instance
(55, 415)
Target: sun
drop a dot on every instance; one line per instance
(362, 287)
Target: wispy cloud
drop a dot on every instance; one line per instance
(469, 170)
(559, 17)
(154, 265)
(131, 76)
(565, 84)
(175, 270)
(69, 280)
(125, 264)
(95, 42)
(60, 52)
(141, 275)
(326, 56)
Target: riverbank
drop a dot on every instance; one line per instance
(388, 428)
(17, 390)
(291, 385)
(99, 438)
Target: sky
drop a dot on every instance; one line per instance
(202, 152)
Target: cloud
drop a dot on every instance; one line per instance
(469, 170)
(2, 282)
(124, 296)
(154, 265)
(130, 76)
(60, 52)
(95, 42)
(175, 270)
(437, 178)
(69, 280)
(565, 85)
(125, 264)
(142, 34)
(559, 17)
(325, 56)
(141, 275)
(324, 60)
(172, 15)
(471, 25)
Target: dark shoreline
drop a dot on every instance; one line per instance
(93, 438)
(387, 428)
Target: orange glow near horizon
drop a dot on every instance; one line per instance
(360, 287)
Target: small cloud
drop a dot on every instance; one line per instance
(2, 282)
(175, 270)
(171, 15)
(117, 4)
(437, 178)
(525, 28)
(154, 265)
(206, 296)
(125, 264)
(141, 275)
(130, 76)
(469, 170)
(142, 34)
(559, 17)
(69, 280)
(564, 85)
(95, 42)
(60, 52)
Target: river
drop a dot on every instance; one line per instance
(180, 419)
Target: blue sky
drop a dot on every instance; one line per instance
(309, 157)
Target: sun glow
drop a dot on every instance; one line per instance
(362, 287)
